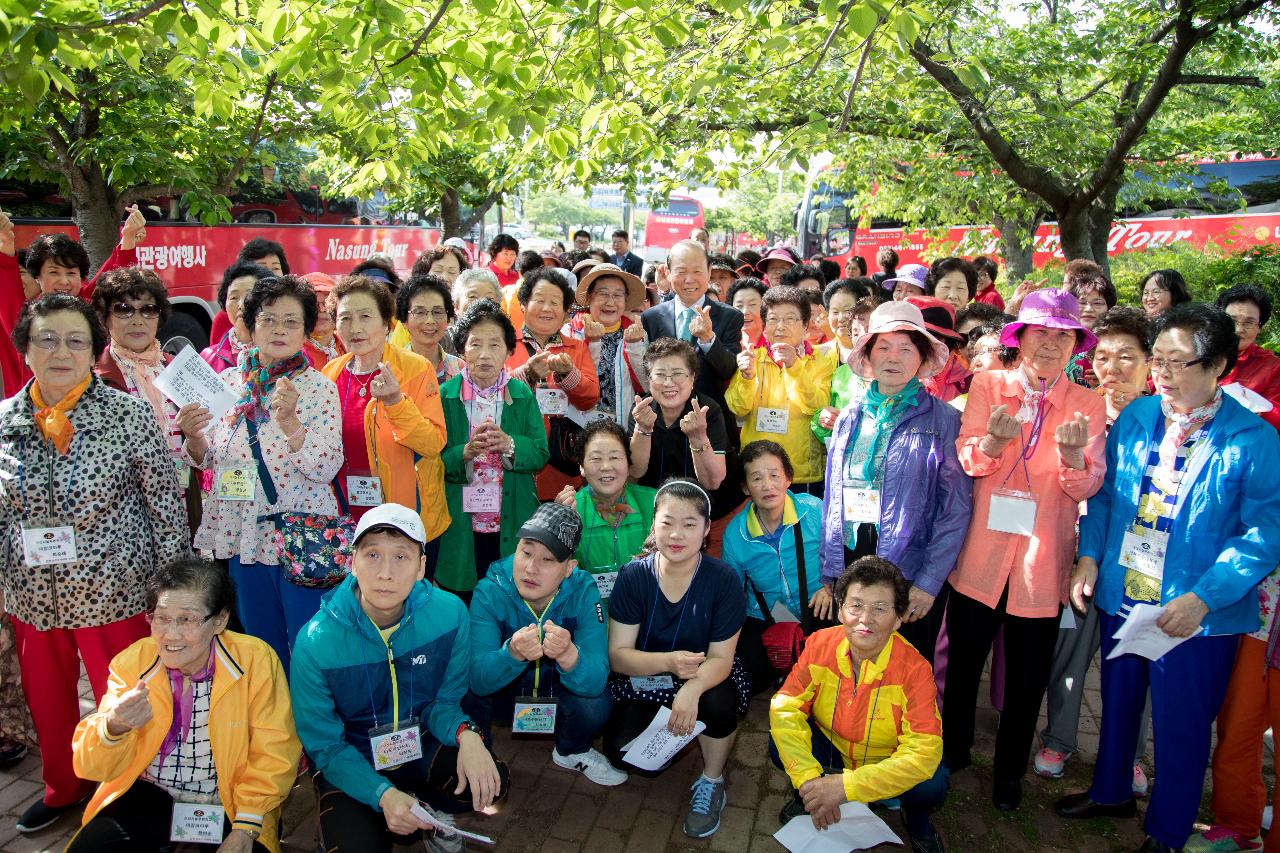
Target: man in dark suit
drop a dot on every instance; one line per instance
(623, 256)
(714, 329)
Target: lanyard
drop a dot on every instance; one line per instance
(395, 684)
(871, 717)
(1031, 441)
(684, 602)
(538, 618)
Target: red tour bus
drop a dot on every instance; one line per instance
(666, 226)
(190, 259)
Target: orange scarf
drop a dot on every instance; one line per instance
(52, 420)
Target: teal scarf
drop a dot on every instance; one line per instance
(882, 409)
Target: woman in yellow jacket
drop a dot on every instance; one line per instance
(392, 421)
(857, 719)
(781, 381)
(194, 738)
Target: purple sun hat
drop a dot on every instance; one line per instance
(1053, 309)
(913, 274)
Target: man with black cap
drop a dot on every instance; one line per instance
(540, 649)
(377, 681)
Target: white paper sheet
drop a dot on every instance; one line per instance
(656, 745)
(1139, 635)
(189, 379)
(858, 829)
(1247, 397)
(422, 814)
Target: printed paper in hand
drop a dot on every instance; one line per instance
(1139, 635)
(656, 745)
(448, 831)
(189, 379)
(857, 829)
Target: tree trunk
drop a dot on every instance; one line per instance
(94, 212)
(450, 213)
(1076, 232)
(1017, 245)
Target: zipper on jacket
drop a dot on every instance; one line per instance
(391, 665)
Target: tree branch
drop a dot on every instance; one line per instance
(131, 18)
(1036, 179)
(143, 191)
(422, 36)
(847, 112)
(831, 37)
(1219, 80)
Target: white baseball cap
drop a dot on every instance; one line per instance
(392, 515)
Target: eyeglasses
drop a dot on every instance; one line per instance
(1153, 294)
(784, 320)
(423, 313)
(50, 341)
(1247, 323)
(989, 351)
(183, 623)
(675, 377)
(123, 310)
(271, 321)
(857, 608)
(1173, 365)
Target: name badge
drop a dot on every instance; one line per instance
(861, 505)
(604, 583)
(597, 415)
(534, 716)
(49, 545)
(1012, 512)
(200, 823)
(482, 498)
(772, 420)
(184, 473)
(236, 484)
(1144, 552)
(393, 745)
(552, 401)
(364, 491)
(652, 682)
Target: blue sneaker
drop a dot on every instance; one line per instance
(704, 809)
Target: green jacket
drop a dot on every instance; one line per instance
(845, 388)
(607, 549)
(456, 566)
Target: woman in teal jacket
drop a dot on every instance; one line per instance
(495, 444)
(1187, 520)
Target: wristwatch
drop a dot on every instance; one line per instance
(467, 726)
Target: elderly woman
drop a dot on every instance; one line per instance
(133, 304)
(747, 295)
(1188, 522)
(1161, 290)
(90, 506)
(169, 758)
(616, 342)
(559, 369)
(502, 252)
(892, 462)
(953, 280)
(322, 345)
(424, 308)
(849, 306)
(1120, 364)
(1087, 282)
(392, 421)
(237, 281)
(474, 284)
(781, 382)
(1256, 368)
(825, 745)
(496, 443)
(1033, 441)
(444, 262)
(277, 450)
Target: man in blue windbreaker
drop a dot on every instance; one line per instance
(539, 645)
(377, 679)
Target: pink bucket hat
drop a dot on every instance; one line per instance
(897, 317)
(1053, 309)
(778, 254)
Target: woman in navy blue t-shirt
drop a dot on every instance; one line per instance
(674, 619)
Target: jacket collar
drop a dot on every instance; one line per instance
(89, 415)
(1009, 387)
(789, 516)
(227, 671)
(872, 670)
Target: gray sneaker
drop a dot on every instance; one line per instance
(704, 809)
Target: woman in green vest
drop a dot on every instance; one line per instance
(495, 444)
(616, 515)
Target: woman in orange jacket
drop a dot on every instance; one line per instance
(559, 369)
(392, 421)
(194, 738)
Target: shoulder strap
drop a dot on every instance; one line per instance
(764, 609)
(806, 616)
(264, 474)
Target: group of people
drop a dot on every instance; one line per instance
(562, 493)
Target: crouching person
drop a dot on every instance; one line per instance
(539, 646)
(862, 670)
(194, 739)
(377, 677)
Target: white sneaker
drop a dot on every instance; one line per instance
(591, 764)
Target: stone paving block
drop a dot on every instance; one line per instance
(573, 821)
(649, 834)
(735, 829)
(19, 794)
(620, 809)
(752, 749)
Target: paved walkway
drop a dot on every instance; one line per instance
(554, 811)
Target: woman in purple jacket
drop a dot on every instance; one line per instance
(895, 487)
